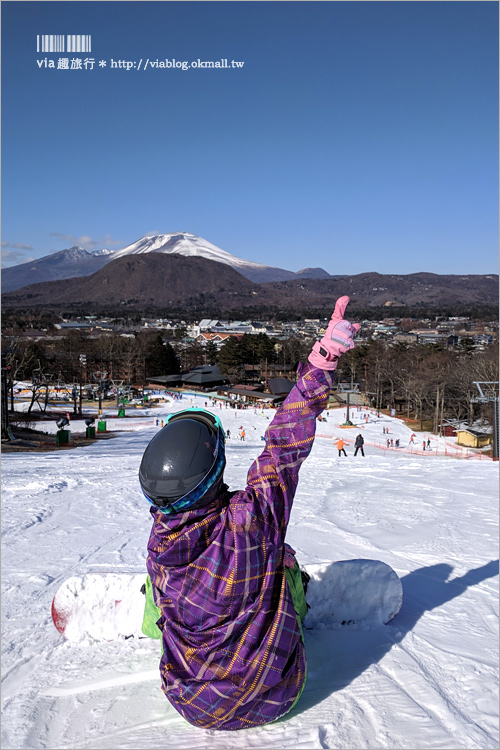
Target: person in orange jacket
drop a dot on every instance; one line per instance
(340, 445)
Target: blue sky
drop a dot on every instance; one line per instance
(358, 136)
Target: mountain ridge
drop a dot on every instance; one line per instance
(71, 262)
(158, 280)
(77, 262)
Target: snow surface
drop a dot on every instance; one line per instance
(429, 679)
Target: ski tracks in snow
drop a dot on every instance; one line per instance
(427, 680)
(59, 522)
(418, 683)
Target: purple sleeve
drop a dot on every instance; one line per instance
(273, 476)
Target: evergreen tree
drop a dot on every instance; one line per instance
(211, 353)
(467, 345)
(256, 348)
(161, 358)
(230, 355)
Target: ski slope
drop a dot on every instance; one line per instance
(429, 679)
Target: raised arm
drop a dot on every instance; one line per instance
(274, 475)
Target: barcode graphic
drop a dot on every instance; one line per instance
(63, 43)
(77, 43)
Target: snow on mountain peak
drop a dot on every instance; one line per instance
(75, 253)
(184, 243)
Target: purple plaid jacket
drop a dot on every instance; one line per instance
(233, 655)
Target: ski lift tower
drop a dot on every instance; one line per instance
(488, 394)
(348, 388)
(40, 385)
(6, 372)
(100, 378)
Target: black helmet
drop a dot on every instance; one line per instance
(183, 464)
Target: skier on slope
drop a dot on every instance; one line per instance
(340, 445)
(358, 444)
(223, 588)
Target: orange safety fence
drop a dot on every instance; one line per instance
(452, 451)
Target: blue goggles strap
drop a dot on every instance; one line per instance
(211, 420)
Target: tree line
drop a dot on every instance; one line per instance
(131, 359)
(422, 382)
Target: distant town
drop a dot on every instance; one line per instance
(445, 331)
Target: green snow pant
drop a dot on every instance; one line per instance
(294, 578)
(152, 613)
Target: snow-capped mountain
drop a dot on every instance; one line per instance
(73, 254)
(184, 243)
(65, 264)
(78, 262)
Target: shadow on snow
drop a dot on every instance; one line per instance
(336, 657)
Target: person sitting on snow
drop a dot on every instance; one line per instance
(224, 591)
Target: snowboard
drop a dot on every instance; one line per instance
(108, 606)
(359, 593)
(101, 606)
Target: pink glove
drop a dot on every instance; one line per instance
(337, 340)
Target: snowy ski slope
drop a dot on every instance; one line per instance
(427, 680)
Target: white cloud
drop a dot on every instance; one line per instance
(14, 257)
(17, 245)
(62, 237)
(20, 246)
(84, 241)
(108, 241)
(87, 242)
